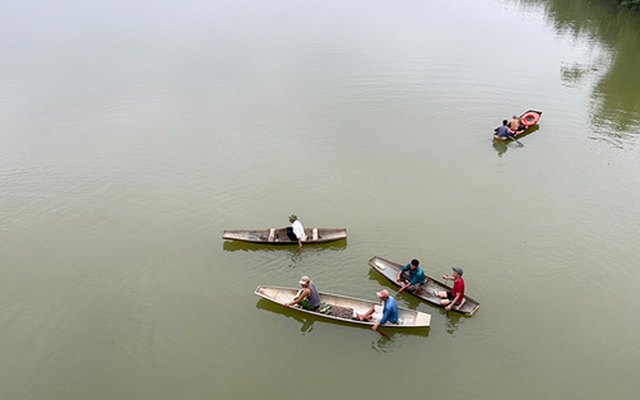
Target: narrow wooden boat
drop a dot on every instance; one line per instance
(343, 308)
(389, 270)
(279, 236)
(528, 120)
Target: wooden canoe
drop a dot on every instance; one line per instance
(279, 236)
(344, 308)
(529, 119)
(389, 270)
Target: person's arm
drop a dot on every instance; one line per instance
(306, 292)
(298, 230)
(399, 280)
(400, 272)
(385, 317)
(448, 278)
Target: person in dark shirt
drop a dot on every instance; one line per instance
(411, 277)
(503, 132)
(308, 298)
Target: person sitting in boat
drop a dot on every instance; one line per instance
(308, 297)
(455, 296)
(516, 126)
(503, 132)
(411, 277)
(295, 232)
(389, 311)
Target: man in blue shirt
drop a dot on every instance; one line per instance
(411, 277)
(389, 312)
(503, 132)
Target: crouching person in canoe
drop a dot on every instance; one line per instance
(389, 312)
(503, 132)
(308, 297)
(455, 296)
(295, 232)
(411, 277)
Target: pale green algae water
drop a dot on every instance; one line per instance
(134, 133)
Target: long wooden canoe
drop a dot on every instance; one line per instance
(343, 308)
(389, 270)
(279, 236)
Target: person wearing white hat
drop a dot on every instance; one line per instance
(389, 312)
(308, 298)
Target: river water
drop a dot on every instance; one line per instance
(134, 133)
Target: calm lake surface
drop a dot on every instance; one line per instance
(134, 133)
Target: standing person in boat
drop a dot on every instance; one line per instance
(389, 311)
(516, 125)
(455, 296)
(295, 232)
(411, 277)
(308, 298)
(503, 132)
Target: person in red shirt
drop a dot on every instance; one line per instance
(454, 296)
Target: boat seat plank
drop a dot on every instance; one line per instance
(272, 234)
(314, 234)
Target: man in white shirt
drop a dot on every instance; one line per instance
(296, 230)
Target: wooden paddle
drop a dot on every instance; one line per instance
(516, 140)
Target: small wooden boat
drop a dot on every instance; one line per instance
(528, 119)
(279, 236)
(343, 308)
(389, 270)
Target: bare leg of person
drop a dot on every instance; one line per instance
(367, 315)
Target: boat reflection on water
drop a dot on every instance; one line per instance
(502, 147)
(308, 321)
(243, 246)
(454, 320)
